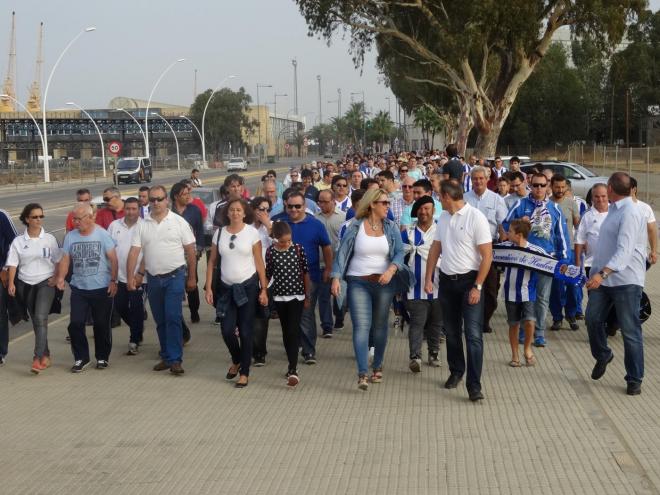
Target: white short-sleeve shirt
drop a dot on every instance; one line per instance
(646, 210)
(162, 242)
(459, 235)
(35, 257)
(588, 232)
(237, 262)
(122, 234)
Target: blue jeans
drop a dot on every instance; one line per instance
(460, 318)
(4, 322)
(626, 299)
(369, 304)
(325, 307)
(165, 298)
(563, 299)
(543, 288)
(308, 322)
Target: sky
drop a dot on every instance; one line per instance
(136, 40)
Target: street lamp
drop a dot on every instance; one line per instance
(259, 119)
(50, 77)
(277, 145)
(41, 136)
(146, 113)
(70, 103)
(176, 141)
(193, 124)
(204, 117)
(138, 124)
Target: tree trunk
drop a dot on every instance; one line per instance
(465, 124)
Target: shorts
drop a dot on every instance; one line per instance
(519, 311)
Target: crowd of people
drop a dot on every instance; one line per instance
(427, 237)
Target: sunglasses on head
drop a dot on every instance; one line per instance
(291, 207)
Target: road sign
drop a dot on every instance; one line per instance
(114, 147)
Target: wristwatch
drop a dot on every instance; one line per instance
(113, 281)
(603, 275)
(478, 286)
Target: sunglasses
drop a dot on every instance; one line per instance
(157, 200)
(341, 185)
(291, 207)
(406, 187)
(107, 199)
(383, 202)
(402, 170)
(34, 217)
(268, 210)
(231, 241)
(539, 185)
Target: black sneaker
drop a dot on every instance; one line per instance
(186, 334)
(573, 324)
(453, 381)
(579, 316)
(475, 395)
(79, 365)
(634, 388)
(101, 364)
(194, 317)
(327, 334)
(309, 359)
(556, 325)
(339, 325)
(600, 367)
(259, 361)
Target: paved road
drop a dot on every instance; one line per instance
(129, 430)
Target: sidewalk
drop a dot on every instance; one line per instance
(129, 430)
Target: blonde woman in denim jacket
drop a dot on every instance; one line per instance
(370, 260)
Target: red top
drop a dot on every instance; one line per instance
(202, 207)
(105, 216)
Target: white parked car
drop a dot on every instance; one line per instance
(236, 163)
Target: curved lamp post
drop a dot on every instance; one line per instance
(41, 136)
(138, 124)
(193, 124)
(70, 103)
(204, 116)
(176, 141)
(146, 114)
(50, 77)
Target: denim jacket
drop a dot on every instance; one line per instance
(404, 277)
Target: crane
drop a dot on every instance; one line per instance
(9, 87)
(34, 96)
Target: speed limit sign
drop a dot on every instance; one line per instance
(114, 147)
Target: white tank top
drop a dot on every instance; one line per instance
(370, 254)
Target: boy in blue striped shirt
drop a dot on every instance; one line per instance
(520, 294)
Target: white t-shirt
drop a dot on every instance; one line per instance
(237, 263)
(35, 257)
(122, 234)
(460, 234)
(588, 232)
(370, 255)
(162, 242)
(646, 210)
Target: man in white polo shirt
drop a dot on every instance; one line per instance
(464, 239)
(168, 244)
(129, 304)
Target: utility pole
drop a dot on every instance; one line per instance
(339, 98)
(628, 117)
(295, 85)
(195, 86)
(321, 144)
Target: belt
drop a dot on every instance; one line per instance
(460, 276)
(168, 274)
(374, 277)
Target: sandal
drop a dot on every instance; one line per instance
(233, 374)
(242, 382)
(514, 364)
(363, 382)
(377, 375)
(530, 361)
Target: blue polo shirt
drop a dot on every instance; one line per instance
(311, 234)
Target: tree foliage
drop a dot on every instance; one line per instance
(481, 51)
(226, 117)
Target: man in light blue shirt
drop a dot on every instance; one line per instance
(618, 273)
(492, 205)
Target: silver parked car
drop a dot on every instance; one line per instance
(582, 179)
